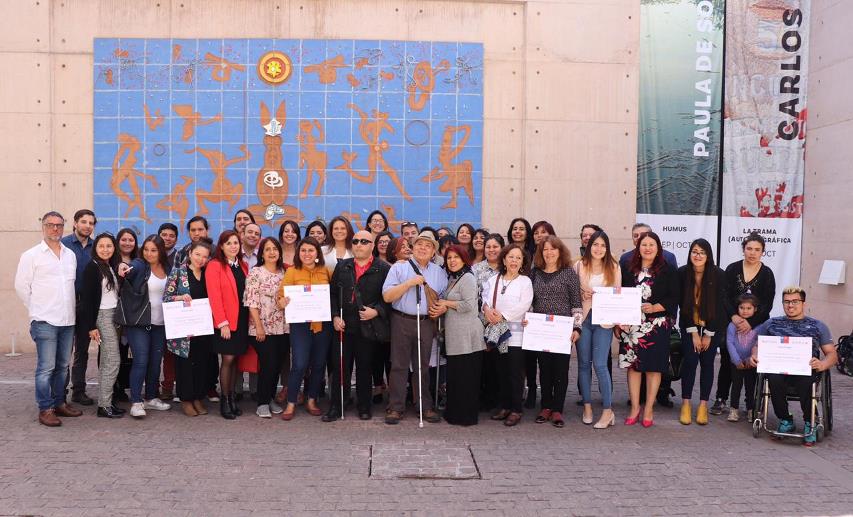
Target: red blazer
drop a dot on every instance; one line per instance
(222, 293)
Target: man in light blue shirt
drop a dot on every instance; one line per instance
(401, 291)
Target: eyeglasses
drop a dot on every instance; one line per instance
(54, 226)
(791, 302)
(698, 253)
(361, 241)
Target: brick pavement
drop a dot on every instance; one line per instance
(169, 464)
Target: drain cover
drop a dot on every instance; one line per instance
(422, 462)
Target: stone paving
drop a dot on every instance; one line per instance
(169, 464)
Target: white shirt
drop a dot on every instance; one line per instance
(331, 258)
(109, 297)
(156, 289)
(513, 303)
(45, 283)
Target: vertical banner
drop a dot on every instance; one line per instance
(681, 60)
(765, 132)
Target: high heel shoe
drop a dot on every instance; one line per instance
(604, 424)
(232, 403)
(631, 420)
(648, 423)
(587, 417)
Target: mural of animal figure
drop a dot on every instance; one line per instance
(221, 189)
(456, 175)
(125, 170)
(177, 201)
(271, 183)
(371, 134)
(314, 160)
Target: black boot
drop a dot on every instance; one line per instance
(332, 414)
(225, 409)
(232, 403)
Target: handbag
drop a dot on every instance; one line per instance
(248, 362)
(496, 334)
(134, 307)
(375, 329)
(676, 356)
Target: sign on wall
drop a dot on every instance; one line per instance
(765, 132)
(290, 129)
(681, 63)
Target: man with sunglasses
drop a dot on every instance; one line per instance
(795, 323)
(44, 282)
(356, 291)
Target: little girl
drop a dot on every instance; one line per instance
(740, 345)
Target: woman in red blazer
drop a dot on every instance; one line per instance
(225, 278)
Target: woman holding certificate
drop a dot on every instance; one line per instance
(597, 268)
(309, 342)
(556, 290)
(463, 338)
(266, 322)
(192, 355)
(702, 321)
(225, 278)
(506, 298)
(646, 346)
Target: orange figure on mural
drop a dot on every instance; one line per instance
(221, 68)
(221, 189)
(327, 71)
(271, 183)
(424, 83)
(177, 201)
(310, 157)
(192, 119)
(371, 134)
(126, 171)
(153, 122)
(393, 221)
(456, 175)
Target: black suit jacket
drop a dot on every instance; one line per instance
(370, 291)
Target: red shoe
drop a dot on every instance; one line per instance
(648, 423)
(631, 420)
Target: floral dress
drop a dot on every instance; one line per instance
(645, 347)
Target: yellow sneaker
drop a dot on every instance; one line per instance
(702, 415)
(686, 413)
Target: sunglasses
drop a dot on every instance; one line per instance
(361, 241)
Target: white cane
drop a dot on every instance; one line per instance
(420, 384)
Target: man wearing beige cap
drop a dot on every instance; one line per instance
(401, 288)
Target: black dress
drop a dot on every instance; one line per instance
(191, 372)
(239, 341)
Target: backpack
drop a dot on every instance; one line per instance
(845, 354)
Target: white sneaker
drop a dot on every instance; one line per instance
(275, 408)
(137, 410)
(734, 415)
(176, 399)
(157, 404)
(263, 411)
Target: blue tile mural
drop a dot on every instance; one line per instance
(290, 129)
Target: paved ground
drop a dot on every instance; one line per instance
(169, 464)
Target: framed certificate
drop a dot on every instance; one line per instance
(547, 333)
(188, 318)
(786, 355)
(308, 303)
(617, 306)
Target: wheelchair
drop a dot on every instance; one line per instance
(821, 407)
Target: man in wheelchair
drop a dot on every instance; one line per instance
(795, 323)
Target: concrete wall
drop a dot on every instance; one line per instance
(560, 110)
(827, 233)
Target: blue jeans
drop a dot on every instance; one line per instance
(53, 347)
(146, 345)
(593, 350)
(307, 349)
(705, 360)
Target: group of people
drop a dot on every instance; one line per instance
(431, 311)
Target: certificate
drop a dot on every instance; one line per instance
(617, 306)
(307, 303)
(185, 319)
(547, 333)
(786, 355)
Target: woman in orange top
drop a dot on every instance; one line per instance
(309, 342)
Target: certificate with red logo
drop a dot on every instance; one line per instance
(547, 333)
(786, 355)
(308, 303)
(617, 306)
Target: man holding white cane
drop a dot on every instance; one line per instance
(408, 323)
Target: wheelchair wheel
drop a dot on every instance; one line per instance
(756, 428)
(758, 401)
(826, 403)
